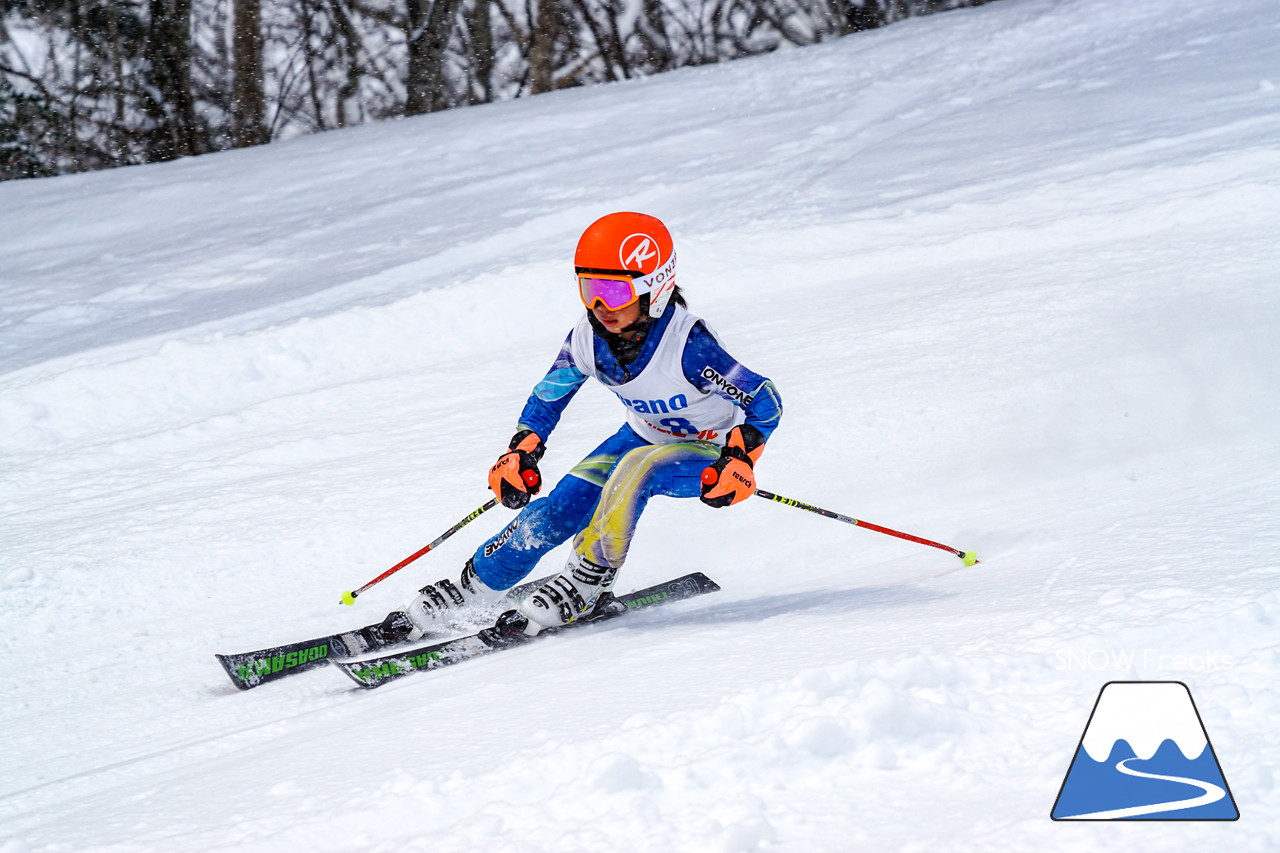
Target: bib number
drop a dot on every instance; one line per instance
(679, 426)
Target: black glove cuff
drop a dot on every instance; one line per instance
(750, 437)
(536, 453)
(728, 452)
(513, 498)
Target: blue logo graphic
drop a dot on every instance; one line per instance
(1145, 755)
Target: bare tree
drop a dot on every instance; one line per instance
(542, 43)
(479, 51)
(430, 32)
(348, 47)
(248, 104)
(656, 50)
(168, 100)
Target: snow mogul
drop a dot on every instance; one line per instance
(696, 424)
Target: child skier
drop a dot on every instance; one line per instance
(696, 424)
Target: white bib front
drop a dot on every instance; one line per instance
(663, 407)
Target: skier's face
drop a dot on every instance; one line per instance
(620, 319)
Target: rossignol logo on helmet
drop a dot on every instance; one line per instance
(636, 250)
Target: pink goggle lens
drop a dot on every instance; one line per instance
(613, 292)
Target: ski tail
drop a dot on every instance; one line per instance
(252, 669)
(676, 589)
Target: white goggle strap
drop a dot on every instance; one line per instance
(657, 284)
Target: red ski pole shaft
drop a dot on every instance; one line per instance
(968, 556)
(349, 597)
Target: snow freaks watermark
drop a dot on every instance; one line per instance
(1133, 660)
(1145, 755)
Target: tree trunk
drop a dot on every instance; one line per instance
(481, 32)
(248, 104)
(542, 42)
(73, 106)
(170, 106)
(859, 18)
(653, 34)
(118, 150)
(429, 36)
(349, 49)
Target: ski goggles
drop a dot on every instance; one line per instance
(613, 290)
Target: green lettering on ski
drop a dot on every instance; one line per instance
(648, 599)
(298, 658)
(388, 669)
(425, 659)
(277, 663)
(399, 666)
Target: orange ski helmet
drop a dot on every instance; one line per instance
(630, 246)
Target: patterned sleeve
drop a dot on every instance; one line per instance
(709, 368)
(550, 396)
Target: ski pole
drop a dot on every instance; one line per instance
(968, 556)
(349, 597)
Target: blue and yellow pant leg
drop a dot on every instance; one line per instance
(508, 557)
(674, 470)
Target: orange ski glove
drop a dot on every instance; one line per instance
(731, 478)
(515, 476)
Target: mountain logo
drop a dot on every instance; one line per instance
(1145, 755)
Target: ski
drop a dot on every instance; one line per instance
(374, 672)
(253, 669)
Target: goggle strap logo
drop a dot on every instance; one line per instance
(658, 281)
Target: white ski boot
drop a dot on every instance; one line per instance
(569, 595)
(443, 606)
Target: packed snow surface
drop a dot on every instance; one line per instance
(1015, 271)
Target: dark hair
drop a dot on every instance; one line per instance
(677, 297)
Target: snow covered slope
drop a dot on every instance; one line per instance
(1015, 272)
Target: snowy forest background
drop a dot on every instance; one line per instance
(91, 84)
